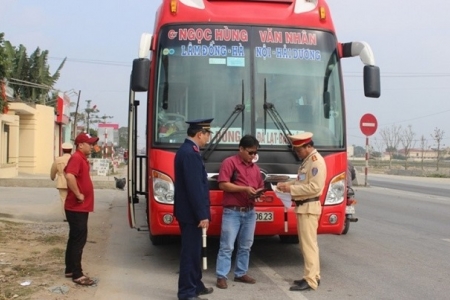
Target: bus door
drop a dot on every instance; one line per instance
(137, 162)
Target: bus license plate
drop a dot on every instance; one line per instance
(349, 210)
(264, 216)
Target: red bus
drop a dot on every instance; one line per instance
(266, 68)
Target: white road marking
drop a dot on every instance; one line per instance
(446, 240)
(277, 279)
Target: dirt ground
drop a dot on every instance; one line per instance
(32, 259)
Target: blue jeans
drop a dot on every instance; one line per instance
(240, 225)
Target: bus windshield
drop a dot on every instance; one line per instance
(204, 71)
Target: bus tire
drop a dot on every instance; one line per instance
(158, 240)
(289, 239)
(346, 226)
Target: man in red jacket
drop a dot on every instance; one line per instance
(79, 203)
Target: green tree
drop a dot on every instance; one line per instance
(30, 77)
(5, 64)
(4, 72)
(20, 67)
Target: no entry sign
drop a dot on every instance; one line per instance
(368, 124)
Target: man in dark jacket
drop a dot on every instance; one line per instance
(191, 208)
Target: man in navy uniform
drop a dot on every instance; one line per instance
(191, 208)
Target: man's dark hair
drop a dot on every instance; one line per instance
(67, 151)
(311, 143)
(192, 132)
(248, 141)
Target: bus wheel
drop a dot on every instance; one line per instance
(289, 239)
(158, 240)
(346, 226)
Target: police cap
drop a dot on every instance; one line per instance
(67, 146)
(200, 124)
(301, 139)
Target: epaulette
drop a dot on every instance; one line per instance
(313, 158)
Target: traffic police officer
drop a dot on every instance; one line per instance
(306, 191)
(191, 208)
(58, 169)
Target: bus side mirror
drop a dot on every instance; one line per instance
(372, 81)
(140, 75)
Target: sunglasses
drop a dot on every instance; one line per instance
(252, 152)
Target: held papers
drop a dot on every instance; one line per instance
(286, 198)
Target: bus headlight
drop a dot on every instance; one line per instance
(336, 190)
(163, 189)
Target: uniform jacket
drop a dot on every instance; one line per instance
(310, 183)
(191, 204)
(58, 169)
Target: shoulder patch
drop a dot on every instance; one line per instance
(314, 171)
(314, 158)
(195, 148)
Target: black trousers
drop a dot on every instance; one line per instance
(78, 230)
(190, 279)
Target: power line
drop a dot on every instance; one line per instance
(420, 117)
(347, 74)
(94, 61)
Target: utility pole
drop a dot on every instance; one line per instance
(104, 117)
(88, 111)
(105, 135)
(75, 117)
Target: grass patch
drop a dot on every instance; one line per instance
(30, 259)
(32, 252)
(51, 239)
(6, 222)
(29, 270)
(437, 175)
(56, 253)
(5, 229)
(12, 293)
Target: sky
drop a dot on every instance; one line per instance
(410, 40)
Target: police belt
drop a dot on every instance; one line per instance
(301, 202)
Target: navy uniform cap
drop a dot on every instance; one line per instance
(203, 124)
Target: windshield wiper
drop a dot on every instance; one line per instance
(218, 137)
(269, 108)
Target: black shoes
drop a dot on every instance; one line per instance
(297, 282)
(206, 291)
(302, 285)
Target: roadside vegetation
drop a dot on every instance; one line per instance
(31, 256)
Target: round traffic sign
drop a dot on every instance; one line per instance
(368, 124)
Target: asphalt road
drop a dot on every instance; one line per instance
(397, 250)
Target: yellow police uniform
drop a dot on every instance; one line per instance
(308, 187)
(58, 169)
